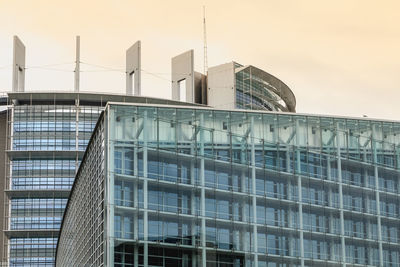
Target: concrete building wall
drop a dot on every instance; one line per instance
(221, 86)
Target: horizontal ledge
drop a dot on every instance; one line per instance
(38, 193)
(32, 233)
(58, 154)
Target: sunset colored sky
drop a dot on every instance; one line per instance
(339, 57)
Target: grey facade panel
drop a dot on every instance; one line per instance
(221, 91)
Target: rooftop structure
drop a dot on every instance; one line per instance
(229, 86)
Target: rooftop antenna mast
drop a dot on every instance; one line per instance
(205, 42)
(77, 62)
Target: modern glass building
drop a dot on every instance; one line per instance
(46, 137)
(165, 185)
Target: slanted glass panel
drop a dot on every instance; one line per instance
(314, 133)
(168, 127)
(186, 131)
(221, 135)
(271, 130)
(365, 133)
(301, 128)
(354, 149)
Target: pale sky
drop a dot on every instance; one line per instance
(339, 57)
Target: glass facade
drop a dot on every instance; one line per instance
(170, 186)
(46, 144)
(259, 90)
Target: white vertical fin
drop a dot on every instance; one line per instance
(18, 78)
(133, 69)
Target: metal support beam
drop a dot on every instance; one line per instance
(136, 195)
(299, 192)
(145, 193)
(243, 189)
(110, 195)
(193, 196)
(253, 191)
(378, 206)
(291, 137)
(339, 168)
(203, 195)
(289, 197)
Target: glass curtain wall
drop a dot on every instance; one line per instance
(203, 187)
(46, 143)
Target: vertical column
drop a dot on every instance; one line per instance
(339, 172)
(76, 133)
(397, 160)
(110, 180)
(299, 190)
(378, 206)
(288, 158)
(8, 183)
(328, 165)
(397, 151)
(367, 205)
(368, 210)
(145, 192)
(330, 203)
(203, 194)
(136, 196)
(193, 202)
(243, 190)
(253, 191)
(289, 197)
